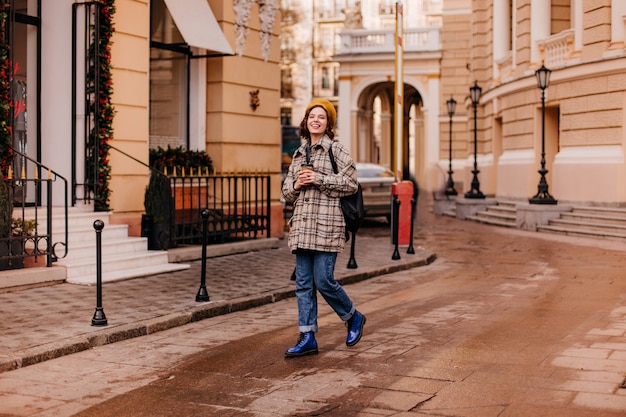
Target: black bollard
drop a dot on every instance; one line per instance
(352, 262)
(203, 294)
(396, 225)
(410, 249)
(99, 318)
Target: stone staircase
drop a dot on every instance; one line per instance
(590, 222)
(501, 214)
(123, 256)
(586, 221)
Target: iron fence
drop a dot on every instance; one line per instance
(238, 207)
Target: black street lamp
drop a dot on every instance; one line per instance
(543, 196)
(450, 190)
(474, 192)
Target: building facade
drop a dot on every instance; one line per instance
(580, 134)
(200, 74)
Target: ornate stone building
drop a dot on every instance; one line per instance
(583, 44)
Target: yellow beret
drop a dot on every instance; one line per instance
(326, 105)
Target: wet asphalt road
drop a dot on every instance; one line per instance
(504, 323)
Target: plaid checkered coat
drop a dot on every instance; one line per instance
(317, 222)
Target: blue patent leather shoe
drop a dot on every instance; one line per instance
(307, 345)
(355, 328)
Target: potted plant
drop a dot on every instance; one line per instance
(159, 206)
(21, 231)
(172, 161)
(159, 201)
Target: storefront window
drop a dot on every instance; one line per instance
(24, 90)
(169, 78)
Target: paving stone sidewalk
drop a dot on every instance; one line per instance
(42, 323)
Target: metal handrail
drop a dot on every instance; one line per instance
(138, 161)
(36, 241)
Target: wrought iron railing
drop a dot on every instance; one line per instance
(33, 232)
(238, 207)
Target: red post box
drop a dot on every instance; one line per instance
(403, 191)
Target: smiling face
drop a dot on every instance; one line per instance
(317, 122)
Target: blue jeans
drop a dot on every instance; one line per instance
(315, 271)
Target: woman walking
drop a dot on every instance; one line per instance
(317, 228)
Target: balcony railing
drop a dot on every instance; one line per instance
(557, 50)
(363, 41)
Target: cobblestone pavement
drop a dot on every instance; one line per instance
(46, 322)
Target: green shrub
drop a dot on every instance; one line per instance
(175, 159)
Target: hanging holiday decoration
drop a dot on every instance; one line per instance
(6, 76)
(104, 91)
(267, 15)
(242, 15)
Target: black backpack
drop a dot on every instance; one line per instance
(351, 205)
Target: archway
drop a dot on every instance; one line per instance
(375, 138)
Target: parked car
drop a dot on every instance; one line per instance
(376, 183)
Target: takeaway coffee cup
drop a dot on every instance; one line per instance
(306, 167)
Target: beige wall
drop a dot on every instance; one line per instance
(240, 139)
(456, 79)
(130, 63)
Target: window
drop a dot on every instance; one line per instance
(24, 53)
(286, 83)
(285, 116)
(561, 16)
(169, 69)
(325, 77)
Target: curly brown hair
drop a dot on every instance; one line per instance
(304, 130)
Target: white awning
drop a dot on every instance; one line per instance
(197, 24)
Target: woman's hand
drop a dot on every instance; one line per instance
(305, 178)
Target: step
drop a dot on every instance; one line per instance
(111, 263)
(121, 275)
(601, 211)
(496, 215)
(449, 213)
(507, 204)
(58, 214)
(494, 221)
(88, 250)
(588, 225)
(123, 257)
(77, 234)
(581, 232)
(591, 217)
(507, 210)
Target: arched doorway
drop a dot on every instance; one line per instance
(375, 137)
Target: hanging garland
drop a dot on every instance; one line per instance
(5, 90)
(105, 112)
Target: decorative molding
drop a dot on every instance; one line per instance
(267, 15)
(242, 15)
(255, 101)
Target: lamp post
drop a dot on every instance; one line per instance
(543, 196)
(450, 190)
(474, 192)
